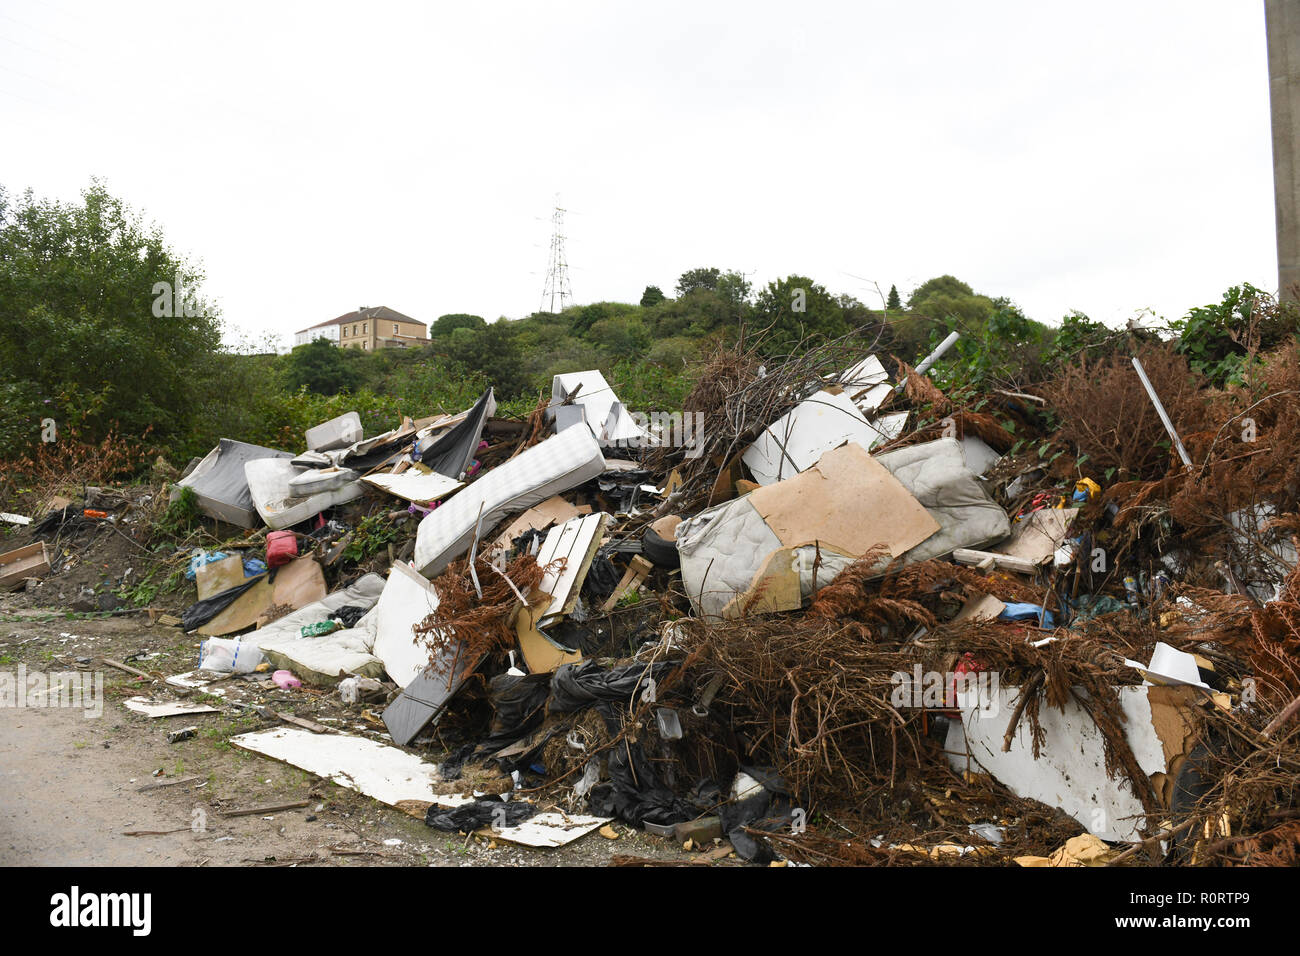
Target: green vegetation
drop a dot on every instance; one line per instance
(81, 342)
(181, 516)
(1220, 340)
(373, 534)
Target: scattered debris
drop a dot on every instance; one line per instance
(858, 619)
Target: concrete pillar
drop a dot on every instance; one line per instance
(1282, 23)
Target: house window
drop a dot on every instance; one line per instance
(395, 332)
(345, 331)
(363, 327)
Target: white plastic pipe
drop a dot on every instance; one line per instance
(937, 354)
(1160, 410)
(933, 357)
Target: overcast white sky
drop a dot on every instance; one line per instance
(1105, 157)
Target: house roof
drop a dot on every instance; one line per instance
(378, 312)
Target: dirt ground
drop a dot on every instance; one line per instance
(74, 787)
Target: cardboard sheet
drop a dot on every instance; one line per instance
(218, 576)
(550, 828)
(597, 399)
(981, 607)
(1070, 771)
(847, 501)
(198, 680)
(866, 384)
(777, 545)
(165, 708)
(243, 613)
(298, 584)
(541, 654)
(413, 485)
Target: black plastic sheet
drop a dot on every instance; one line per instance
(481, 813)
(199, 613)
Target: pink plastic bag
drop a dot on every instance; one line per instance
(285, 679)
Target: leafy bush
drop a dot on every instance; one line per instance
(84, 328)
(1219, 340)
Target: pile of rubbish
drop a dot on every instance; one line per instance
(824, 614)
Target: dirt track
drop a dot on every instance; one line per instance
(69, 784)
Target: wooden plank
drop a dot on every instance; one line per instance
(167, 783)
(636, 572)
(1004, 562)
(127, 667)
(273, 808)
(302, 722)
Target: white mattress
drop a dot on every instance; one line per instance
(268, 485)
(323, 659)
(561, 462)
(937, 474)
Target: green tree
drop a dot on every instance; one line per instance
(622, 336)
(735, 290)
(322, 367)
(694, 279)
(652, 295)
(894, 303)
(949, 300)
(494, 353)
(101, 324)
(447, 324)
(941, 285)
(797, 308)
(1217, 338)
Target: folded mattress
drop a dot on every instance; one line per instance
(561, 462)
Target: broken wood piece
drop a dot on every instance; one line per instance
(1278, 721)
(302, 722)
(1003, 562)
(160, 784)
(128, 668)
(637, 570)
(272, 808)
